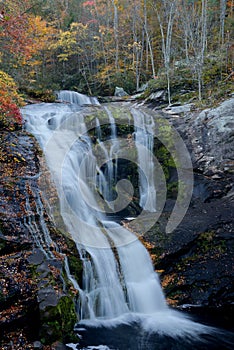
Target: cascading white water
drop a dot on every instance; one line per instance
(37, 228)
(110, 290)
(74, 97)
(107, 179)
(144, 136)
(116, 282)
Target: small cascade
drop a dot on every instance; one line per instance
(114, 144)
(37, 225)
(107, 178)
(76, 98)
(98, 129)
(144, 138)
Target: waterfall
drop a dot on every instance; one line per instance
(118, 276)
(37, 227)
(108, 178)
(144, 138)
(74, 97)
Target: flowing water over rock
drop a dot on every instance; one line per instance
(120, 296)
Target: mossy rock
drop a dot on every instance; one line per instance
(76, 268)
(58, 322)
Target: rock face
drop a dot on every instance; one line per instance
(119, 92)
(36, 297)
(196, 260)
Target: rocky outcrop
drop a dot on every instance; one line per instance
(37, 299)
(209, 136)
(196, 260)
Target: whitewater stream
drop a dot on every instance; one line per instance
(121, 304)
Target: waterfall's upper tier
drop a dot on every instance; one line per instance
(76, 98)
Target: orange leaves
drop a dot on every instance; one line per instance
(22, 35)
(38, 33)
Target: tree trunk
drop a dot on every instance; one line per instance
(170, 8)
(222, 20)
(116, 34)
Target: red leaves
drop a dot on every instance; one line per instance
(88, 3)
(9, 114)
(12, 35)
(9, 99)
(9, 109)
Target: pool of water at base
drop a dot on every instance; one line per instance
(133, 337)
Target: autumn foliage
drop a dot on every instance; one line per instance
(10, 100)
(93, 46)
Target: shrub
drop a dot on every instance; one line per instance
(10, 101)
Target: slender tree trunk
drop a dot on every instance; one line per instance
(116, 34)
(186, 48)
(151, 52)
(147, 42)
(170, 8)
(203, 39)
(195, 23)
(148, 46)
(222, 20)
(168, 87)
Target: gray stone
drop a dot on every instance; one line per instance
(37, 345)
(36, 257)
(159, 95)
(215, 130)
(209, 135)
(47, 297)
(119, 92)
(143, 87)
(179, 109)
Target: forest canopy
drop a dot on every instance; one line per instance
(92, 46)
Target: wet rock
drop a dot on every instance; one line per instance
(30, 268)
(59, 346)
(37, 345)
(47, 297)
(37, 257)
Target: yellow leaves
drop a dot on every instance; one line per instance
(16, 160)
(8, 88)
(69, 42)
(40, 33)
